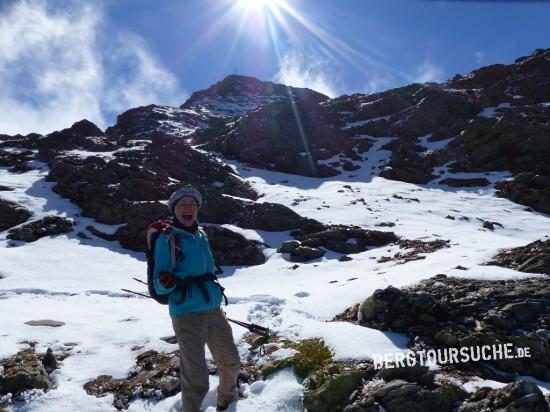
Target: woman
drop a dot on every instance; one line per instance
(194, 301)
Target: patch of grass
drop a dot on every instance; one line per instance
(312, 355)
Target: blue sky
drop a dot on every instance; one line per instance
(61, 61)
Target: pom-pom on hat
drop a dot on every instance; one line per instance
(182, 192)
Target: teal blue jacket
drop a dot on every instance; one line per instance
(197, 261)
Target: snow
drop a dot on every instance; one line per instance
(78, 281)
(433, 146)
(489, 112)
(364, 122)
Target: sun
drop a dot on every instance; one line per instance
(259, 4)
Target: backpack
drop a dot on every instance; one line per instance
(153, 231)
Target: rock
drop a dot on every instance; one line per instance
(47, 226)
(156, 375)
(269, 216)
(45, 322)
(12, 214)
(532, 258)
(343, 239)
(403, 373)
(489, 225)
(453, 182)
(446, 338)
(49, 361)
(527, 188)
(288, 246)
(417, 249)
(443, 312)
(169, 385)
(271, 137)
(334, 392)
(169, 339)
(305, 254)
(23, 372)
(230, 248)
(517, 396)
(399, 395)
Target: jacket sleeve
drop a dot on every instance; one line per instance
(210, 263)
(162, 264)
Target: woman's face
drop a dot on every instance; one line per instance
(186, 210)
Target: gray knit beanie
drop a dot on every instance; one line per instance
(182, 192)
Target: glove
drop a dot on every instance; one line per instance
(167, 280)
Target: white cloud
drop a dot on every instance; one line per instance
(480, 57)
(428, 72)
(378, 81)
(312, 71)
(57, 68)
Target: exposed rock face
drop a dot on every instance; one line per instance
(527, 79)
(47, 226)
(453, 312)
(532, 258)
(12, 214)
(236, 95)
(288, 136)
(145, 121)
(512, 135)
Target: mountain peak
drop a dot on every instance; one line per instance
(237, 94)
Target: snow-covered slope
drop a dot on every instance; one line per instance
(78, 281)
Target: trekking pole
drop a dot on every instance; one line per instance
(136, 293)
(257, 329)
(253, 328)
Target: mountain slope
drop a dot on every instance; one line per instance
(409, 193)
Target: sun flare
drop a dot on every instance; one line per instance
(259, 4)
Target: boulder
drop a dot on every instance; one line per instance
(47, 226)
(12, 214)
(231, 248)
(22, 372)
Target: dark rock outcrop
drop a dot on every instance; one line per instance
(531, 258)
(47, 226)
(288, 136)
(230, 248)
(340, 238)
(12, 214)
(453, 312)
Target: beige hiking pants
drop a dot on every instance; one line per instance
(192, 332)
